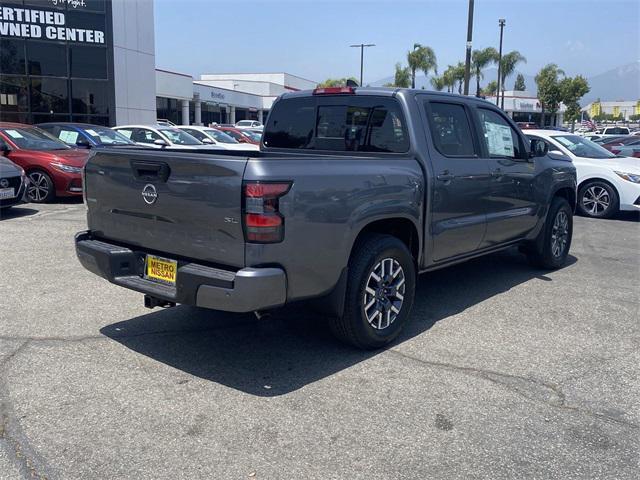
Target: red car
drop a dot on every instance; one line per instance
(53, 168)
(242, 136)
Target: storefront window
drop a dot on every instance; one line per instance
(12, 57)
(13, 96)
(49, 95)
(88, 62)
(47, 58)
(90, 97)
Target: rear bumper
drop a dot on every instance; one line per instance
(245, 290)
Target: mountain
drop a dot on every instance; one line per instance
(621, 83)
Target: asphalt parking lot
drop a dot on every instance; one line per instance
(506, 372)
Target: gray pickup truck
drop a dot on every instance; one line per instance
(354, 192)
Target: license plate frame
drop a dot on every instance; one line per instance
(7, 193)
(160, 270)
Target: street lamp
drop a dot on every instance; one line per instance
(467, 61)
(502, 22)
(362, 46)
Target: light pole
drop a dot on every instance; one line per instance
(362, 46)
(467, 61)
(502, 23)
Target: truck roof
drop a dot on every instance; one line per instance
(387, 92)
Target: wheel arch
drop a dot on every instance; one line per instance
(402, 228)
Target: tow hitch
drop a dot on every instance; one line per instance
(153, 302)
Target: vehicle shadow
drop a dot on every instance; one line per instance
(17, 212)
(293, 348)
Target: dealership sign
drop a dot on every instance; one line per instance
(43, 24)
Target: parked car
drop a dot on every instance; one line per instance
(162, 137)
(85, 135)
(628, 146)
(54, 169)
(13, 182)
(606, 183)
(611, 131)
(527, 125)
(216, 137)
(248, 124)
(241, 136)
(601, 140)
(342, 208)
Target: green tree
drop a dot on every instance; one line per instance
(491, 88)
(438, 83)
(421, 58)
(336, 82)
(519, 85)
(402, 78)
(549, 94)
(480, 59)
(571, 91)
(635, 117)
(508, 66)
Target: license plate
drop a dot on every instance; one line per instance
(161, 269)
(7, 193)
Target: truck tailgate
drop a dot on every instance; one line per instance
(182, 204)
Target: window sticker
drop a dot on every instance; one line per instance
(68, 137)
(499, 139)
(14, 133)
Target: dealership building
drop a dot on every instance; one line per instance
(94, 61)
(523, 106)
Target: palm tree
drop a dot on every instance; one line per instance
(438, 83)
(449, 79)
(481, 59)
(508, 66)
(458, 74)
(421, 58)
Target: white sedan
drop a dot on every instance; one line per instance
(161, 136)
(218, 138)
(606, 183)
(249, 124)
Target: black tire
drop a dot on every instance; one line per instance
(41, 188)
(590, 207)
(353, 326)
(544, 253)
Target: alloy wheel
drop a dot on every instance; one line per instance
(384, 293)
(560, 233)
(596, 200)
(38, 187)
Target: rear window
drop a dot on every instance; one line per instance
(365, 124)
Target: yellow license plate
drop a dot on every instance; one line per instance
(161, 269)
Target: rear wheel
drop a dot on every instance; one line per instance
(380, 293)
(598, 199)
(552, 246)
(41, 188)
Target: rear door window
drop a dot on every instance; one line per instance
(451, 129)
(500, 139)
(342, 124)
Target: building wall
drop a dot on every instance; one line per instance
(626, 108)
(134, 61)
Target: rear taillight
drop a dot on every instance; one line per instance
(263, 222)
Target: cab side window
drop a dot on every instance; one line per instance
(143, 135)
(500, 139)
(450, 129)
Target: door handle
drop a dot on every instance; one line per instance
(445, 176)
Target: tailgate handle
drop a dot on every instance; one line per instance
(149, 171)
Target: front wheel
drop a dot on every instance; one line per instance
(380, 292)
(597, 199)
(551, 248)
(41, 188)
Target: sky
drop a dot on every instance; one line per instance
(311, 38)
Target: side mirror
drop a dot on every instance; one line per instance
(207, 141)
(83, 143)
(160, 142)
(538, 148)
(4, 149)
(558, 155)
